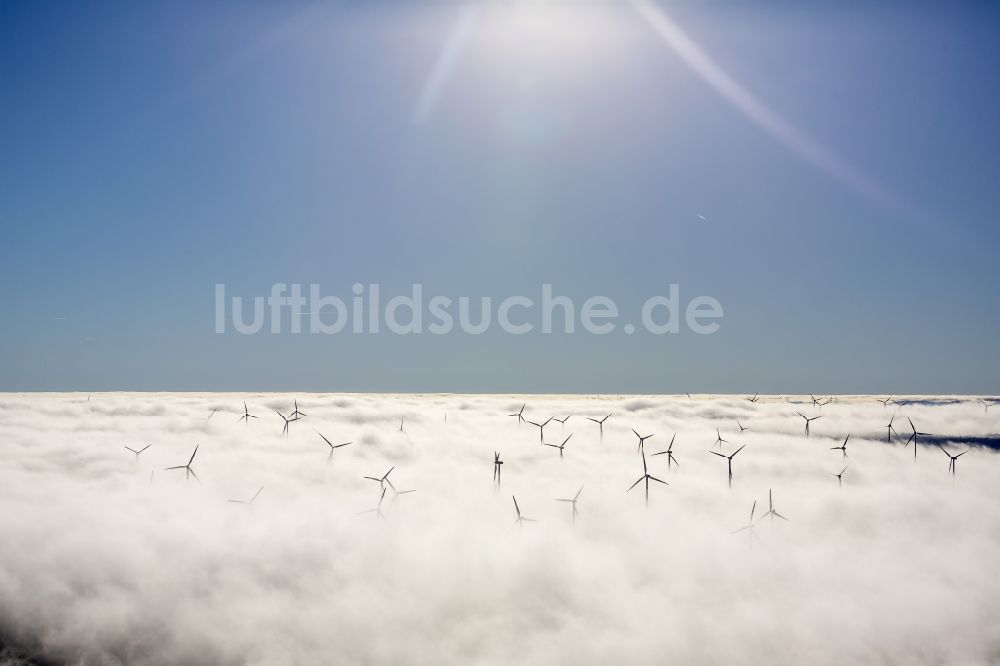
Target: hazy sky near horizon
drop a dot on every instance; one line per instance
(843, 155)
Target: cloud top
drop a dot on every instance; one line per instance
(109, 559)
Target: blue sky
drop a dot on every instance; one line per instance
(151, 151)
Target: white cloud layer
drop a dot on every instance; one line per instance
(100, 564)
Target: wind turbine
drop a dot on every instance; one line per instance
(647, 477)
(378, 508)
(137, 452)
(741, 426)
(754, 399)
(842, 448)
(297, 414)
(986, 406)
(840, 478)
(521, 519)
(401, 424)
(284, 431)
(718, 438)
(397, 493)
(211, 415)
(913, 437)
(808, 420)
(520, 414)
(573, 503)
(559, 446)
(729, 458)
(771, 511)
(496, 468)
(384, 479)
(642, 440)
(669, 453)
(819, 402)
(890, 430)
(749, 525)
(246, 414)
(600, 423)
(885, 402)
(562, 421)
(188, 470)
(331, 445)
(250, 501)
(541, 428)
(953, 458)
